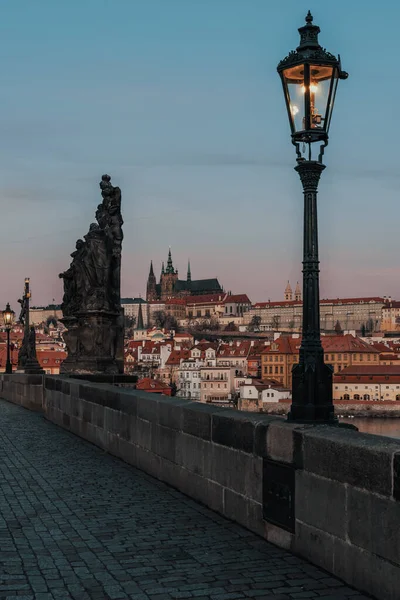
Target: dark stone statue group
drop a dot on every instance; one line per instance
(92, 282)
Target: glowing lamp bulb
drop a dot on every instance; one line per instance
(294, 109)
(313, 88)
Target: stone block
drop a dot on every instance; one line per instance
(235, 431)
(242, 510)
(108, 418)
(366, 571)
(169, 413)
(321, 502)
(163, 441)
(65, 387)
(147, 406)
(143, 434)
(315, 545)
(362, 460)
(200, 489)
(373, 524)
(196, 419)
(127, 452)
(278, 536)
(396, 476)
(260, 439)
(50, 383)
(192, 453)
(235, 470)
(66, 420)
(98, 415)
(128, 404)
(125, 425)
(87, 411)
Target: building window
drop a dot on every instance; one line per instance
(199, 313)
(281, 370)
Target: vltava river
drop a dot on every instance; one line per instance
(387, 427)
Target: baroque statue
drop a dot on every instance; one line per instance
(92, 299)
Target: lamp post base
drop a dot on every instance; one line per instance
(312, 393)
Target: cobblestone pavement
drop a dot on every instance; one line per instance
(77, 523)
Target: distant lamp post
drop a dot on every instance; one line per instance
(8, 318)
(310, 77)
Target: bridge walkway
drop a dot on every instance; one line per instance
(77, 523)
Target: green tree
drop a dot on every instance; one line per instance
(255, 323)
(129, 325)
(369, 326)
(275, 322)
(159, 318)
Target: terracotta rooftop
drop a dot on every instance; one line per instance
(284, 303)
(176, 356)
(240, 298)
(330, 343)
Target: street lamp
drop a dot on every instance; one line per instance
(8, 318)
(309, 77)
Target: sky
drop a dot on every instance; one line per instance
(180, 102)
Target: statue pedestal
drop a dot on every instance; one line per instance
(94, 340)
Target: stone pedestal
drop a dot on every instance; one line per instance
(93, 341)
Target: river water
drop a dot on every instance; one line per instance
(378, 426)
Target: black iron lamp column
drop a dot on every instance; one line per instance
(8, 318)
(309, 77)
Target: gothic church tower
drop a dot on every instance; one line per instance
(151, 292)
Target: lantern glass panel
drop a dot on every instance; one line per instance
(321, 79)
(293, 80)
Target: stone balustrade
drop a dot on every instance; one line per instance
(329, 494)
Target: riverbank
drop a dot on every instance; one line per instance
(385, 409)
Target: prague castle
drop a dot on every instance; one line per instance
(172, 287)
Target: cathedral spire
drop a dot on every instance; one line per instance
(170, 266)
(151, 292)
(297, 293)
(162, 269)
(140, 324)
(189, 275)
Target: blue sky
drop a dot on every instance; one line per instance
(179, 100)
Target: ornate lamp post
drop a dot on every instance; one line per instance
(309, 77)
(8, 317)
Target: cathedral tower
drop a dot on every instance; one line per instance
(288, 292)
(297, 293)
(151, 292)
(168, 279)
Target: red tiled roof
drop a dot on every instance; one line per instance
(369, 370)
(176, 356)
(330, 343)
(50, 358)
(288, 303)
(240, 298)
(172, 301)
(235, 350)
(380, 347)
(206, 299)
(151, 384)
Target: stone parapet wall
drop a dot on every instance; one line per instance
(25, 390)
(331, 495)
